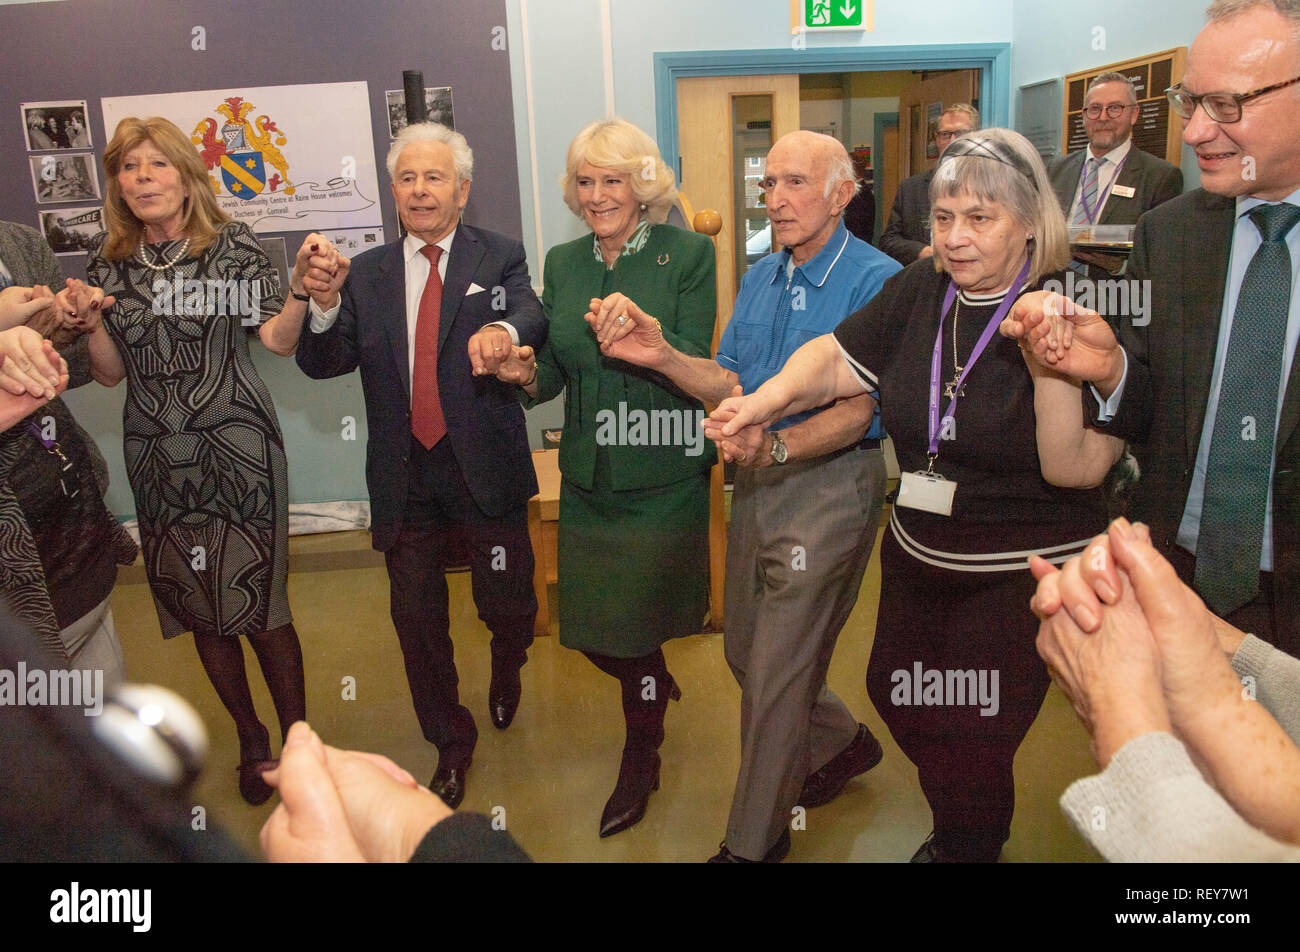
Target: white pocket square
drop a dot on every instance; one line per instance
(474, 289)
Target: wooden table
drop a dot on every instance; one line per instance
(543, 531)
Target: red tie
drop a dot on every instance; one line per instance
(427, 422)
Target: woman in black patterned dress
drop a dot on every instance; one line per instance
(203, 448)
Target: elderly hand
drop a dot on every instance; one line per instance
(1064, 337)
(518, 367)
(1111, 677)
(737, 412)
(83, 306)
(748, 447)
(19, 305)
(319, 269)
(627, 332)
(29, 365)
(344, 806)
(489, 348)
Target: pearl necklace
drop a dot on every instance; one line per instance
(166, 265)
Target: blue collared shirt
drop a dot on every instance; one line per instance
(778, 310)
(1245, 242)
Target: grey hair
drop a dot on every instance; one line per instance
(965, 109)
(462, 155)
(1113, 77)
(839, 168)
(1226, 9)
(1028, 198)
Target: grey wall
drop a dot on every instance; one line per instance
(88, 49)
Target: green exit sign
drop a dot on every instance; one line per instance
(835, 15)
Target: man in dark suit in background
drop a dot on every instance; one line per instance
(1112, 181)
(1207, 386)
(427, 318)
(907, 235)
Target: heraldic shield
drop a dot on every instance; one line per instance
(244, 173)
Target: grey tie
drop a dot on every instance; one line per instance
(1241, 449)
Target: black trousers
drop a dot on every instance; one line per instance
(439, 504)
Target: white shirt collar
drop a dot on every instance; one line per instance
(1246, 202)
(1116, 155)
(412, 245)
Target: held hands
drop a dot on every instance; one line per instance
(626, 332)
(748, 447)
(319, 270)
(518, 367)
(19, 305)
(82, 306)
(344, 806)
(1064, 337)
(31, 374)
(489, 348)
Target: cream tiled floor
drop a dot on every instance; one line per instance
(553, 769)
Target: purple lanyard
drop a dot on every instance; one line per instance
(990, 329)
(1083, 174)
(37, 432)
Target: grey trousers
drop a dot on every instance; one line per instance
(800, 539)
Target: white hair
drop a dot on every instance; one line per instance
(462, 155)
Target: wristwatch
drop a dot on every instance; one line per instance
(780, 453)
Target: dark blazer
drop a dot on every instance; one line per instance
(1183, 248)
(908, 229)
(485, 423)
(1153, 179)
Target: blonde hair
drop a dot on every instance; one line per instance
(1003, 167)
(618, 144)
(201, 216)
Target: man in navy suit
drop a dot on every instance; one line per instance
(427, 318)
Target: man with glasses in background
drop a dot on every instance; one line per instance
(1208, 386)
(1111, 182)
(907, 235)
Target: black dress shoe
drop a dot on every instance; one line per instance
(780, 849)
(824, 785)
(503, 696)
(252, 787)
(449, 779)
(638, 776)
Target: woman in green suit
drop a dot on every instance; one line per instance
(634, 500)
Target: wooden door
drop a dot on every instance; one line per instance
(915, 114)
(705, 135)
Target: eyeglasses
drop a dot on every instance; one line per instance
(1113, 111)
(940, 136)
(1223, 108)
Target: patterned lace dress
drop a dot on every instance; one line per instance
(203, 448)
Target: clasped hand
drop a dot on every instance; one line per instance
(319, 269)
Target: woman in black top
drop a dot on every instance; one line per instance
(990, 476)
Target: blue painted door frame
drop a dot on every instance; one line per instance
(993, 60)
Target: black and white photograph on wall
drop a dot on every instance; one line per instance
(56, 125)
(69, 231)
(437, 108)
(275, 250)
(65, 178)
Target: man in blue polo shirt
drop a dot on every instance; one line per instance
(807, 497)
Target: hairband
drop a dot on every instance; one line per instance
(988, 149)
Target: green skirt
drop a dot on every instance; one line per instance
(633, 565)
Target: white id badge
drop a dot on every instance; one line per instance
(1123, 191)
(926, 491)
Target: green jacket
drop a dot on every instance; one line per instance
(648, 429)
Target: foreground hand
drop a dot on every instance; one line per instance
(748, 447)
(626, 332)
(737, 412)
(344, 806)
(30, 366)
(83, 306)
(1111, 677)
(489, 348)
(319, 269)
(19, 305)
